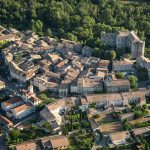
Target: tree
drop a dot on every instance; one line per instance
(110, 55)
(47, 126)
(71, 36)
(126, 124)
(146, 146)
(33, 27)
(133, 81)
(49, 32)
(39, 26)
(113, 54)
(88, 22)
(14, 134)
(144, 106)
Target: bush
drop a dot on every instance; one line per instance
(76, 125)
(44, 96)
(133, 82)
(85, 124)
(120, 75)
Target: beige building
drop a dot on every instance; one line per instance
(104, 64)
(125, 39)
(21, 111)
(144, 131)
(8, 37)
(118, 138)
(114, 99)
(12, 103)
(87, 86)
(58, 142)
(19, 74)
(116, 86)
(27, 146)
(123, 66)
(2, 85)
(102, 100)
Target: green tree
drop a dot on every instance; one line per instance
(39, 27)
(14, 134)
(71, 36)
(110, 55)
(133, 81)
(33, 27)
(49, 32)
(146, 146)
(88, 22)
(113, 54)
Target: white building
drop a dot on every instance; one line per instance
(118, 138)
(12, 103)
(22, 111)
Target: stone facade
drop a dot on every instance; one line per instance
(125, 39)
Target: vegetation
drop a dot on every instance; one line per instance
(47, 127)
(147, 52)
(140, 111)
(133, 81)
(140, 125)
(110, 55)
(126, 124)
(75, 120)
(145, 142)
(78, 20)
(120, 75)
(16, 136)
(45, 97)
(92, 105)
(81, 140)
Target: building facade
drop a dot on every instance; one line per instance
(125, 39)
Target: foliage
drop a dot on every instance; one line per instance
(126, 124)
(15, 136)
(133, 81)
(140, 125)
(82, 139)
(145, 142)
(44, 96)
(110, 55)
(140, 111)
(92, 105)
(120, 75)
(78, 19)
(147, 52)
(47, 126)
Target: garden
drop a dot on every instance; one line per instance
(17, 136)
(75, 120)
(81, 139)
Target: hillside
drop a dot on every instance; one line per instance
(78, 20)
(135, 1)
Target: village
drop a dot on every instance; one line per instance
(57, 95)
